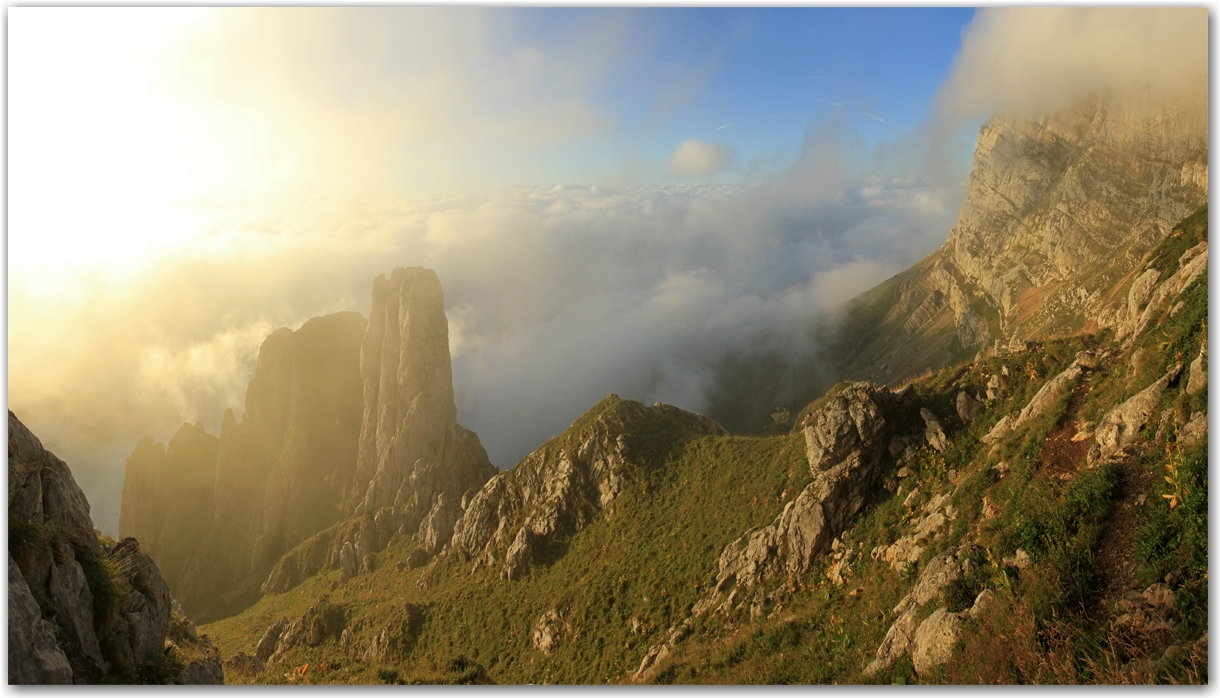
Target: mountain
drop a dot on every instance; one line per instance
(1025, 510)
(81, 607)
(1058, 212)
(217, 513)
(349, 435)
(1037, 515)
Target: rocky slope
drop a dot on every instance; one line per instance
(1034, 516)
(83, 610)
(218, 513)
(1057, 214)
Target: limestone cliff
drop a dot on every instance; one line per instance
(1058, 211)
(411, 447)
(81, 611)
(414, 460)
(275, 478)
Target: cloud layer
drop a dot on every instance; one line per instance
(556, 296)
(1026, 61)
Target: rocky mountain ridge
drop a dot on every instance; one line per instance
(1058, 212)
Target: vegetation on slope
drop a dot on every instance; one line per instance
(1062, 544)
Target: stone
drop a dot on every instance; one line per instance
(967, 407)
(34, 656)
(202, 672)
(74, 609)
(934, 640)
(1198, 373)
(933, 432)
(271, 637)
(995, 389)
(437, 527)
(1195, 430)
(43, 494)
(548, 631)
(1121, 425)
(417, 558)
(320, 621)
(348, 566)
(941, 571)
(990, 510)
(1001, 428)
(1048, 394)
(519, 556)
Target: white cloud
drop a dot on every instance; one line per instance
(1026, 61)
(694, 158)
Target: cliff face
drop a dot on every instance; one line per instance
(411, 447)
(81, 611)
(415, 463)
(273, 479)
(174, 487)
(1058, 212)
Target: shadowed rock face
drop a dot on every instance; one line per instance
(71, 618)
(219, 513)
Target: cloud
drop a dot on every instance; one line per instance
(1026, 61)
(694, 158)
(556, 296)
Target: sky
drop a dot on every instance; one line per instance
(615, 200)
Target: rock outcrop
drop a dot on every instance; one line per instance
(559, 488)
(221, 512)
(930, 641)
(1121, 425)
(79, 611)
(847, 439)
(415, 465)
(1058, 212)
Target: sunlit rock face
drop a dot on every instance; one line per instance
(1058, 211)
(221, 518)
(412, 450)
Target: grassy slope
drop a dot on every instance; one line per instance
(651, 560)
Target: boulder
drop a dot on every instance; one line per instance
(1195, 430)
(852, 428)
(548, 631)
(1048, 394)
(933, 432)
(271, 637)
(967, 407)
(934, 640)
(1121, 425)
(1198, 373)
(995, 387)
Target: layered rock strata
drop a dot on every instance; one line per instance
(1058, 213)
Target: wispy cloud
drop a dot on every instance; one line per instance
(751, 121)
(873, 116)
